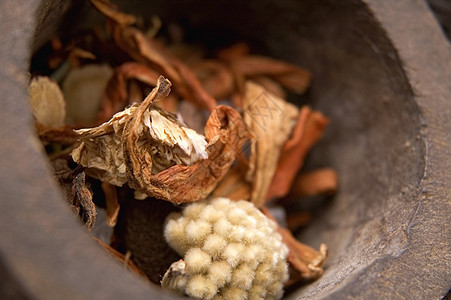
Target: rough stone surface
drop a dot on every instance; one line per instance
(382, 72)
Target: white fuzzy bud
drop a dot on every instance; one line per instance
(231, 251)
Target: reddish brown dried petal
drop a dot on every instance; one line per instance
(308, 130)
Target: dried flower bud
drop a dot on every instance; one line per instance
(220, 263)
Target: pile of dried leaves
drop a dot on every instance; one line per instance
(178, 144)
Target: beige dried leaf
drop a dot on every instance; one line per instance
(270, 121)
(47, 102)
(100, 149)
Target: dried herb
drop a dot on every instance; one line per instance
(270, 121)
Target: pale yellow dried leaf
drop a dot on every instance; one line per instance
(270, 121)
(47, 102)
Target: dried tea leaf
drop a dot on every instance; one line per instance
(82, 201)
(83, 89)
(270, 121)
(158, 156)
(161, 137)
(47, 102)
(225, 133)
(309, 129)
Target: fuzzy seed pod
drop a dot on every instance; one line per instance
(230, 249)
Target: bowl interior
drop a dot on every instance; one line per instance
(373, 138)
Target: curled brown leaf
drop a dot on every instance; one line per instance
(225, 133)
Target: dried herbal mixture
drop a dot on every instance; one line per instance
(182, 153)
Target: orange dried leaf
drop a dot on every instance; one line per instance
(308, 130)
(149, 51)
(318, 182)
